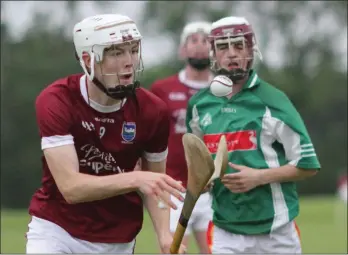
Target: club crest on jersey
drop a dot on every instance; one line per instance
(128, 131)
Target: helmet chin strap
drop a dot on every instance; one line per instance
(236, 74)
(120, 91)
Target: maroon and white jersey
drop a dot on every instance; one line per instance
(108, 140)
(176, 91)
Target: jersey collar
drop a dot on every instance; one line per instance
(95, 105)
(252, 81)
(193, 84)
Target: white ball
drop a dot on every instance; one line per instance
(221, 86)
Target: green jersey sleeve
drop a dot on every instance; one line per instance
(290, 130)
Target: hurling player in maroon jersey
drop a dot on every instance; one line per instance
(176, 90)
(94, 127)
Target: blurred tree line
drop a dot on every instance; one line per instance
(311, 77)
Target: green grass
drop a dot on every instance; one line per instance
(322, 221)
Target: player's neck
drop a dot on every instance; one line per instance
(96, 95)
(195, 75)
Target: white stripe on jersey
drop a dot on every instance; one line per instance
(309, 155)
(156, 157)
(306, 145)
(56, 140)
(307, 150)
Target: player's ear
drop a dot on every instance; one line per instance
(87, 59)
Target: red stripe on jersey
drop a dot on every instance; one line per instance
(240, 140)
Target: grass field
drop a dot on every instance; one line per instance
(323, 225)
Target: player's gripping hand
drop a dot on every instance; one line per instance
(165, 242)
(159, 185)
(242, 181)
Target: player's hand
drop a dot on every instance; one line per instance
(242, 181)
(159, 185)
(166, 241)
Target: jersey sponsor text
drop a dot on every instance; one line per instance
(239, 140)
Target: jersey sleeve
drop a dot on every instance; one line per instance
(54, 120)
(291, 132)
(156, 149)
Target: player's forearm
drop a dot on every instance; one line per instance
(284, 173)
(87, 188)
(77, 187)
(159, 217)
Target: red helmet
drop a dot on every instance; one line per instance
(230, 30)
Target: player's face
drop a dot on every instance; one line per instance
(119, 64)
(232, 53)
(197, 46)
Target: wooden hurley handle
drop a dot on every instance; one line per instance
(200, 168)
(178, 235)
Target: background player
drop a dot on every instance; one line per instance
(93, 128)
(256, 202)
(176, 90)
(342, 187)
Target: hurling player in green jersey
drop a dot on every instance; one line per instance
(255, 204)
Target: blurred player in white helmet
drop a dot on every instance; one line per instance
(94, 127)
(255, 203)
(176, 90)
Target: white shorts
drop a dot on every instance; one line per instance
(46, 237)
(286, 239)
(200, 217)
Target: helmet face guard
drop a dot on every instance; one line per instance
(117, 91)
(94, 35)
(230, 34)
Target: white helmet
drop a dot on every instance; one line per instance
(231, 29)
(94, 34)
(194, 27)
